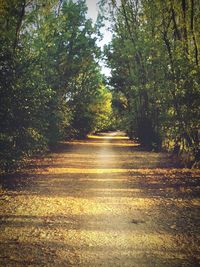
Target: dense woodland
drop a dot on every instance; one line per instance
(154, 57)
(51, 86)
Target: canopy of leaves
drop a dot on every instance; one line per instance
(154, 57)
(50, 85)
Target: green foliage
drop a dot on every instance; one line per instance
(50, 81)
(154, 57)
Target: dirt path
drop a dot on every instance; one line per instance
(101, 202)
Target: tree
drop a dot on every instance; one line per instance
(157, 69)
(50, 77)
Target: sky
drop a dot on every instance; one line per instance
(92, 13)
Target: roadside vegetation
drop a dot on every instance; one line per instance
(51, 86)
(154, 58)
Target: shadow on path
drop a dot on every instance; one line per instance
(103, 201)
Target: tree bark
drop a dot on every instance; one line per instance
(176, 30)
(19, 22)
(193, 34)
(185, 35)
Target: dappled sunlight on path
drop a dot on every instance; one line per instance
(101, 202)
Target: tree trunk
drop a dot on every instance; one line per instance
(192, 31)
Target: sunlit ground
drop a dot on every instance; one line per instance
(99, 143)
(101, 202)
(107, 137)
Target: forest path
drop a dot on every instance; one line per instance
(101, 202)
